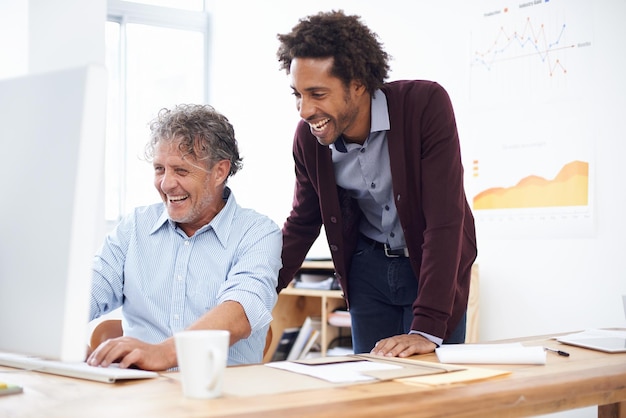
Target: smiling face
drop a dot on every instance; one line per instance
(191, 193)
(329, 106)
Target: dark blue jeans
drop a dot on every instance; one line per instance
(381, 292)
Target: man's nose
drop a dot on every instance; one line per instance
(167, 181)
(306, 108)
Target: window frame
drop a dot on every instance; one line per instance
(125, 12)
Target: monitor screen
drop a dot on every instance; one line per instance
(52, 129)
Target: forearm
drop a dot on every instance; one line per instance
(229, 316)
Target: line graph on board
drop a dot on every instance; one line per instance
(530, 42)
(535, 51)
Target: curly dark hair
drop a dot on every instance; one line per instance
(357, 53)
(202, 132)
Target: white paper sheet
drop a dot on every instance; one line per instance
(510, 353)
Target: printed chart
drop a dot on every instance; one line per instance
(532, 157)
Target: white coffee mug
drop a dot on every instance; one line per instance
(202, 356)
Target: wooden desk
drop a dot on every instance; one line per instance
(585, 378)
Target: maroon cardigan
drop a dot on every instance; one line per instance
(427, 178)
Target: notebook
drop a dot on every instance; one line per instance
(80, 370)
(601, 340)
(607, 340)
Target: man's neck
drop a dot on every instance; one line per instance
(362, 124)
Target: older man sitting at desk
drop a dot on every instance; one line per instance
(197, 260)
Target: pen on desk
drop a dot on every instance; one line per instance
(559, 352)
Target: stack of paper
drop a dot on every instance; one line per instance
(361, 368)
(353, 370)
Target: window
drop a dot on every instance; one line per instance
(156, 57)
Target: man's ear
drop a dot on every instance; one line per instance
(221, 170)
(358, 87)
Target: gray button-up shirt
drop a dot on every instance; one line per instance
(364, 171)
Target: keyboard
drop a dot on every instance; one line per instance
(79, 370)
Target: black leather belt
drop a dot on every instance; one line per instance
(397, 252)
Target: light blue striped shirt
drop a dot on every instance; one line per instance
(165, 281)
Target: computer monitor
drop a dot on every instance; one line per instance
(52, 127)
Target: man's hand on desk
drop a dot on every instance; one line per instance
(403, 346)
(133, 352)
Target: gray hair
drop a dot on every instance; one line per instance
(202, 132)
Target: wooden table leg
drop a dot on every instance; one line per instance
(612, 410)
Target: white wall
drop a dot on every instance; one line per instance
(14, 38)
(39, 35)
(65, 33)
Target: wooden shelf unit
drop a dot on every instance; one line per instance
(295, 304)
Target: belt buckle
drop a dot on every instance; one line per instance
(388, 252)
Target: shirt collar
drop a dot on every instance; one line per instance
(380, 112)
(380, 119)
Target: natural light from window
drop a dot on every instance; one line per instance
(151, 66)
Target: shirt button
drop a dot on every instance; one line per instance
(186, 242)
(373, 185)
(386, 207)
(333, 219)
(334, 247)
(362, 150)
(179, 278)
(392, 235)
(176, 316)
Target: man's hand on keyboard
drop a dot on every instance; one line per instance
(133, 352)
